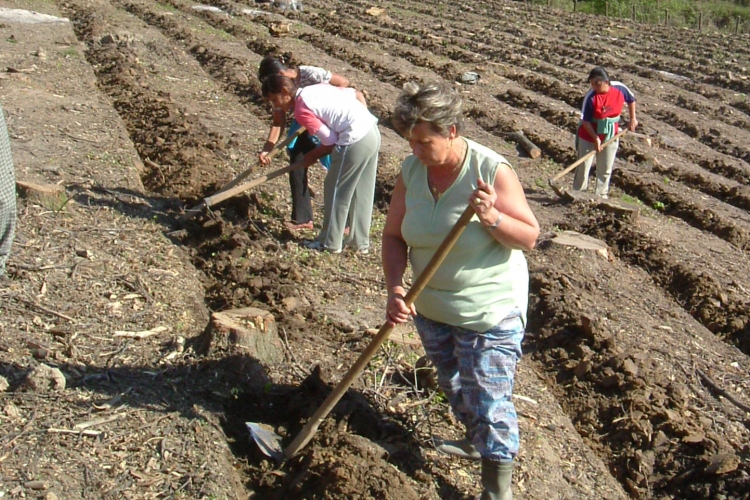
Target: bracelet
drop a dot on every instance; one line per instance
(497, 222)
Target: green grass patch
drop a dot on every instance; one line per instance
(166, 7)
(631, 199)
(216, 32)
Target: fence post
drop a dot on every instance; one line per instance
(666, 17)
(575, 5)
(700, 21)
(606, 9)
(634, 13)
(737, 25)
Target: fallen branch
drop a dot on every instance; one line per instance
(98, 421)
(526, 398)
(721, 391)
(295, 364)
(48, 311)
(83, 432)
(141, 335)
(532, 149)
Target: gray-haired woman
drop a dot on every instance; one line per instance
(472, 313)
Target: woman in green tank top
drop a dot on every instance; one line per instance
(472, 313)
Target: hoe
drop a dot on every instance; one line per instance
(560, 191)
(236, 187)
(270, 443)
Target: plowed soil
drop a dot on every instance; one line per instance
(634, 382)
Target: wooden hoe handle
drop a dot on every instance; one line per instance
(312, 425)
(232, 192)
(192, 212)
(586, 157)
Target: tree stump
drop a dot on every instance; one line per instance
(249, 329)
(50, 196)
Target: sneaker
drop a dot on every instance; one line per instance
(363, 250)
(316, 245)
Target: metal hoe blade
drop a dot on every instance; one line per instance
(267, 440)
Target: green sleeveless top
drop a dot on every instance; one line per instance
(481, 281)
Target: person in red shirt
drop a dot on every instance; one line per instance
(600, 114)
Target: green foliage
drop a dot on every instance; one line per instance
(630, 199)
(166, 7)
(722, 14)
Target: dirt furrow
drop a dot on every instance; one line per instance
(706, 215)
(237, 74)
(566, 23)
(695, 68)
(236, 276)
(173, 142)
(730, 192)
(728, 223)
(675, 200)
(703, 284)
(610, 41)
(710, 135)
(629, 378)
(712, 217)
(734, 168)
(733, 139)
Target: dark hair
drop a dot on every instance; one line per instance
(274, 84)
(270, 65)
(599, 73)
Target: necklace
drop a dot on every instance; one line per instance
(437, 193)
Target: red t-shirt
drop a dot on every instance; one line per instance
(607, 105)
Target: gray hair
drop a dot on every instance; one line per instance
(436, 103)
